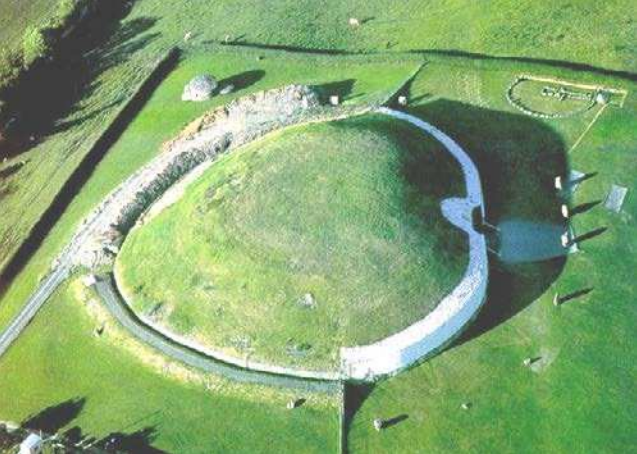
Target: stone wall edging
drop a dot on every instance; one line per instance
(427, 336)
(225, 129)
(127, 204)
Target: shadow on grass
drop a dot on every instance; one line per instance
(75, 77)
(53, 418)
(354, 396)
(243, 80)
(52, 89)
(83, 171)
(56, 417)
(540, 61)
(518, 158)
(341, 88)
(136, 442)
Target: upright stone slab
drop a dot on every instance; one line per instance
(616, 197)
(199, 88)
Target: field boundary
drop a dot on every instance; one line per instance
(100, 146)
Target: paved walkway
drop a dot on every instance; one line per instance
(31, 308)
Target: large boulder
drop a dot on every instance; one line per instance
(200, 88)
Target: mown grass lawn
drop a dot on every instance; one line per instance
(347, 212)
(581, 401)
(577, 396)
(586, 31)
(116, 386)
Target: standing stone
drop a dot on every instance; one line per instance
(199, 88)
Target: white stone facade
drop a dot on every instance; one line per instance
(427, 336)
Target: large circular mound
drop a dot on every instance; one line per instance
(318, 237)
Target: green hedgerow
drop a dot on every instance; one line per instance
(36, 44)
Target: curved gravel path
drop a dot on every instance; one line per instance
(106, 289)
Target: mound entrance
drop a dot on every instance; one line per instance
(311, 239)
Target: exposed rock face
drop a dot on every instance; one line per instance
(199, 88)
(243, 120)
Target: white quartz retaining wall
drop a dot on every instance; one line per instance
(244, 121)
(456, 310)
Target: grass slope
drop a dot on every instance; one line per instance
(577, 397)
(596, 33)
(357, 78)
(348, 212)
(16, 16)
(121, 387)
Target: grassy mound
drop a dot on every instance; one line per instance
(318, 237)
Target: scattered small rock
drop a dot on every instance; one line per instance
(308, 301)
(227, 89)
(299, 350)
(602, 97)
(295, 403)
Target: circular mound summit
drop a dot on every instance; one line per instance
(314, 238)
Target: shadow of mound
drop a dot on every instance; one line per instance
(243, 80)
(518, 158)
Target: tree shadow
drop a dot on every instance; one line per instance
(243, 80)
(53, 418)
(83, 171)
(138, 442)
(518, 158)
(47, 99)
(56, 417)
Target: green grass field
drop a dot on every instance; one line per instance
(466, 99)
(577, 398)
(348, 212)
(164, 115)
(16, 16)
(596, 33)
(156, 404)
